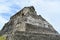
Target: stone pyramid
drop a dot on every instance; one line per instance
(27, 25)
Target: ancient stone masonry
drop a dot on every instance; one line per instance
(27, 25)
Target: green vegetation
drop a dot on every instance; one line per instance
(2, 38)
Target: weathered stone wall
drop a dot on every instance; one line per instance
(27, 15)
(35, 36)
(38, 29)
(27, 25)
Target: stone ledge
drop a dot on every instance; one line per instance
(35, 36)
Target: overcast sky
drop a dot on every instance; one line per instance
(49, 9)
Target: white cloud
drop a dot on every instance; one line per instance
(2, 21)
(4, 9)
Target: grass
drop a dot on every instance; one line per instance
(2, 38)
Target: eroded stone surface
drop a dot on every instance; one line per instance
(33, 26)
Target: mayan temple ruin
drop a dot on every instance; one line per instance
(27, 25)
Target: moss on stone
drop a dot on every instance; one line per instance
(2, 38)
